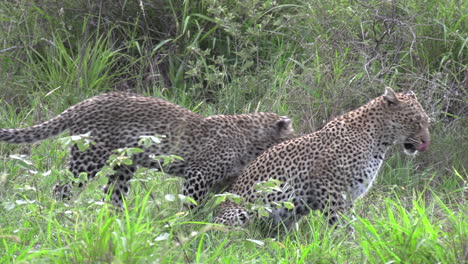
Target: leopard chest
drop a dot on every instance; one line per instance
(364, 176)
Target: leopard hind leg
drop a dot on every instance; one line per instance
(89, 161)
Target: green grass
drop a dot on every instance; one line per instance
(404, 226)
(308, 59)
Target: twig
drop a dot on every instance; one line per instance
(10, 48)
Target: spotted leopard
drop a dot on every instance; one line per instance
(332, 167)
(214, 149)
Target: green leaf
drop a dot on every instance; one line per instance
(83, 177)
(169, 197)
(24, 160)
(257, 242)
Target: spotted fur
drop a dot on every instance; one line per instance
(331, 168)
(215, 149)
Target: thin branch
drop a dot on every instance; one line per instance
(10, 48)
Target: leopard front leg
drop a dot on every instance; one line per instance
(331, 201)
(202, 178)
(213, 168)
(119, 185)
(197, 185)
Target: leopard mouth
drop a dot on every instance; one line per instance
(409, 147)
(412, 148)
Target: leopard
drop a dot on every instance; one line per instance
(329, 169)
(214, 149)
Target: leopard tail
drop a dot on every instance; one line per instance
(35, 133)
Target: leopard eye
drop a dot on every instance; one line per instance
(417, 119)
(431, 121)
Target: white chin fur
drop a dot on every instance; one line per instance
(410, 152)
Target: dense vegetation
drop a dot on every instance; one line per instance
(308, 59)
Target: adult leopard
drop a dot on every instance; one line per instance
(331, 168)
(214, 149)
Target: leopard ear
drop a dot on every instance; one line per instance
(284, 123)
(390, 96)
(411, 94)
